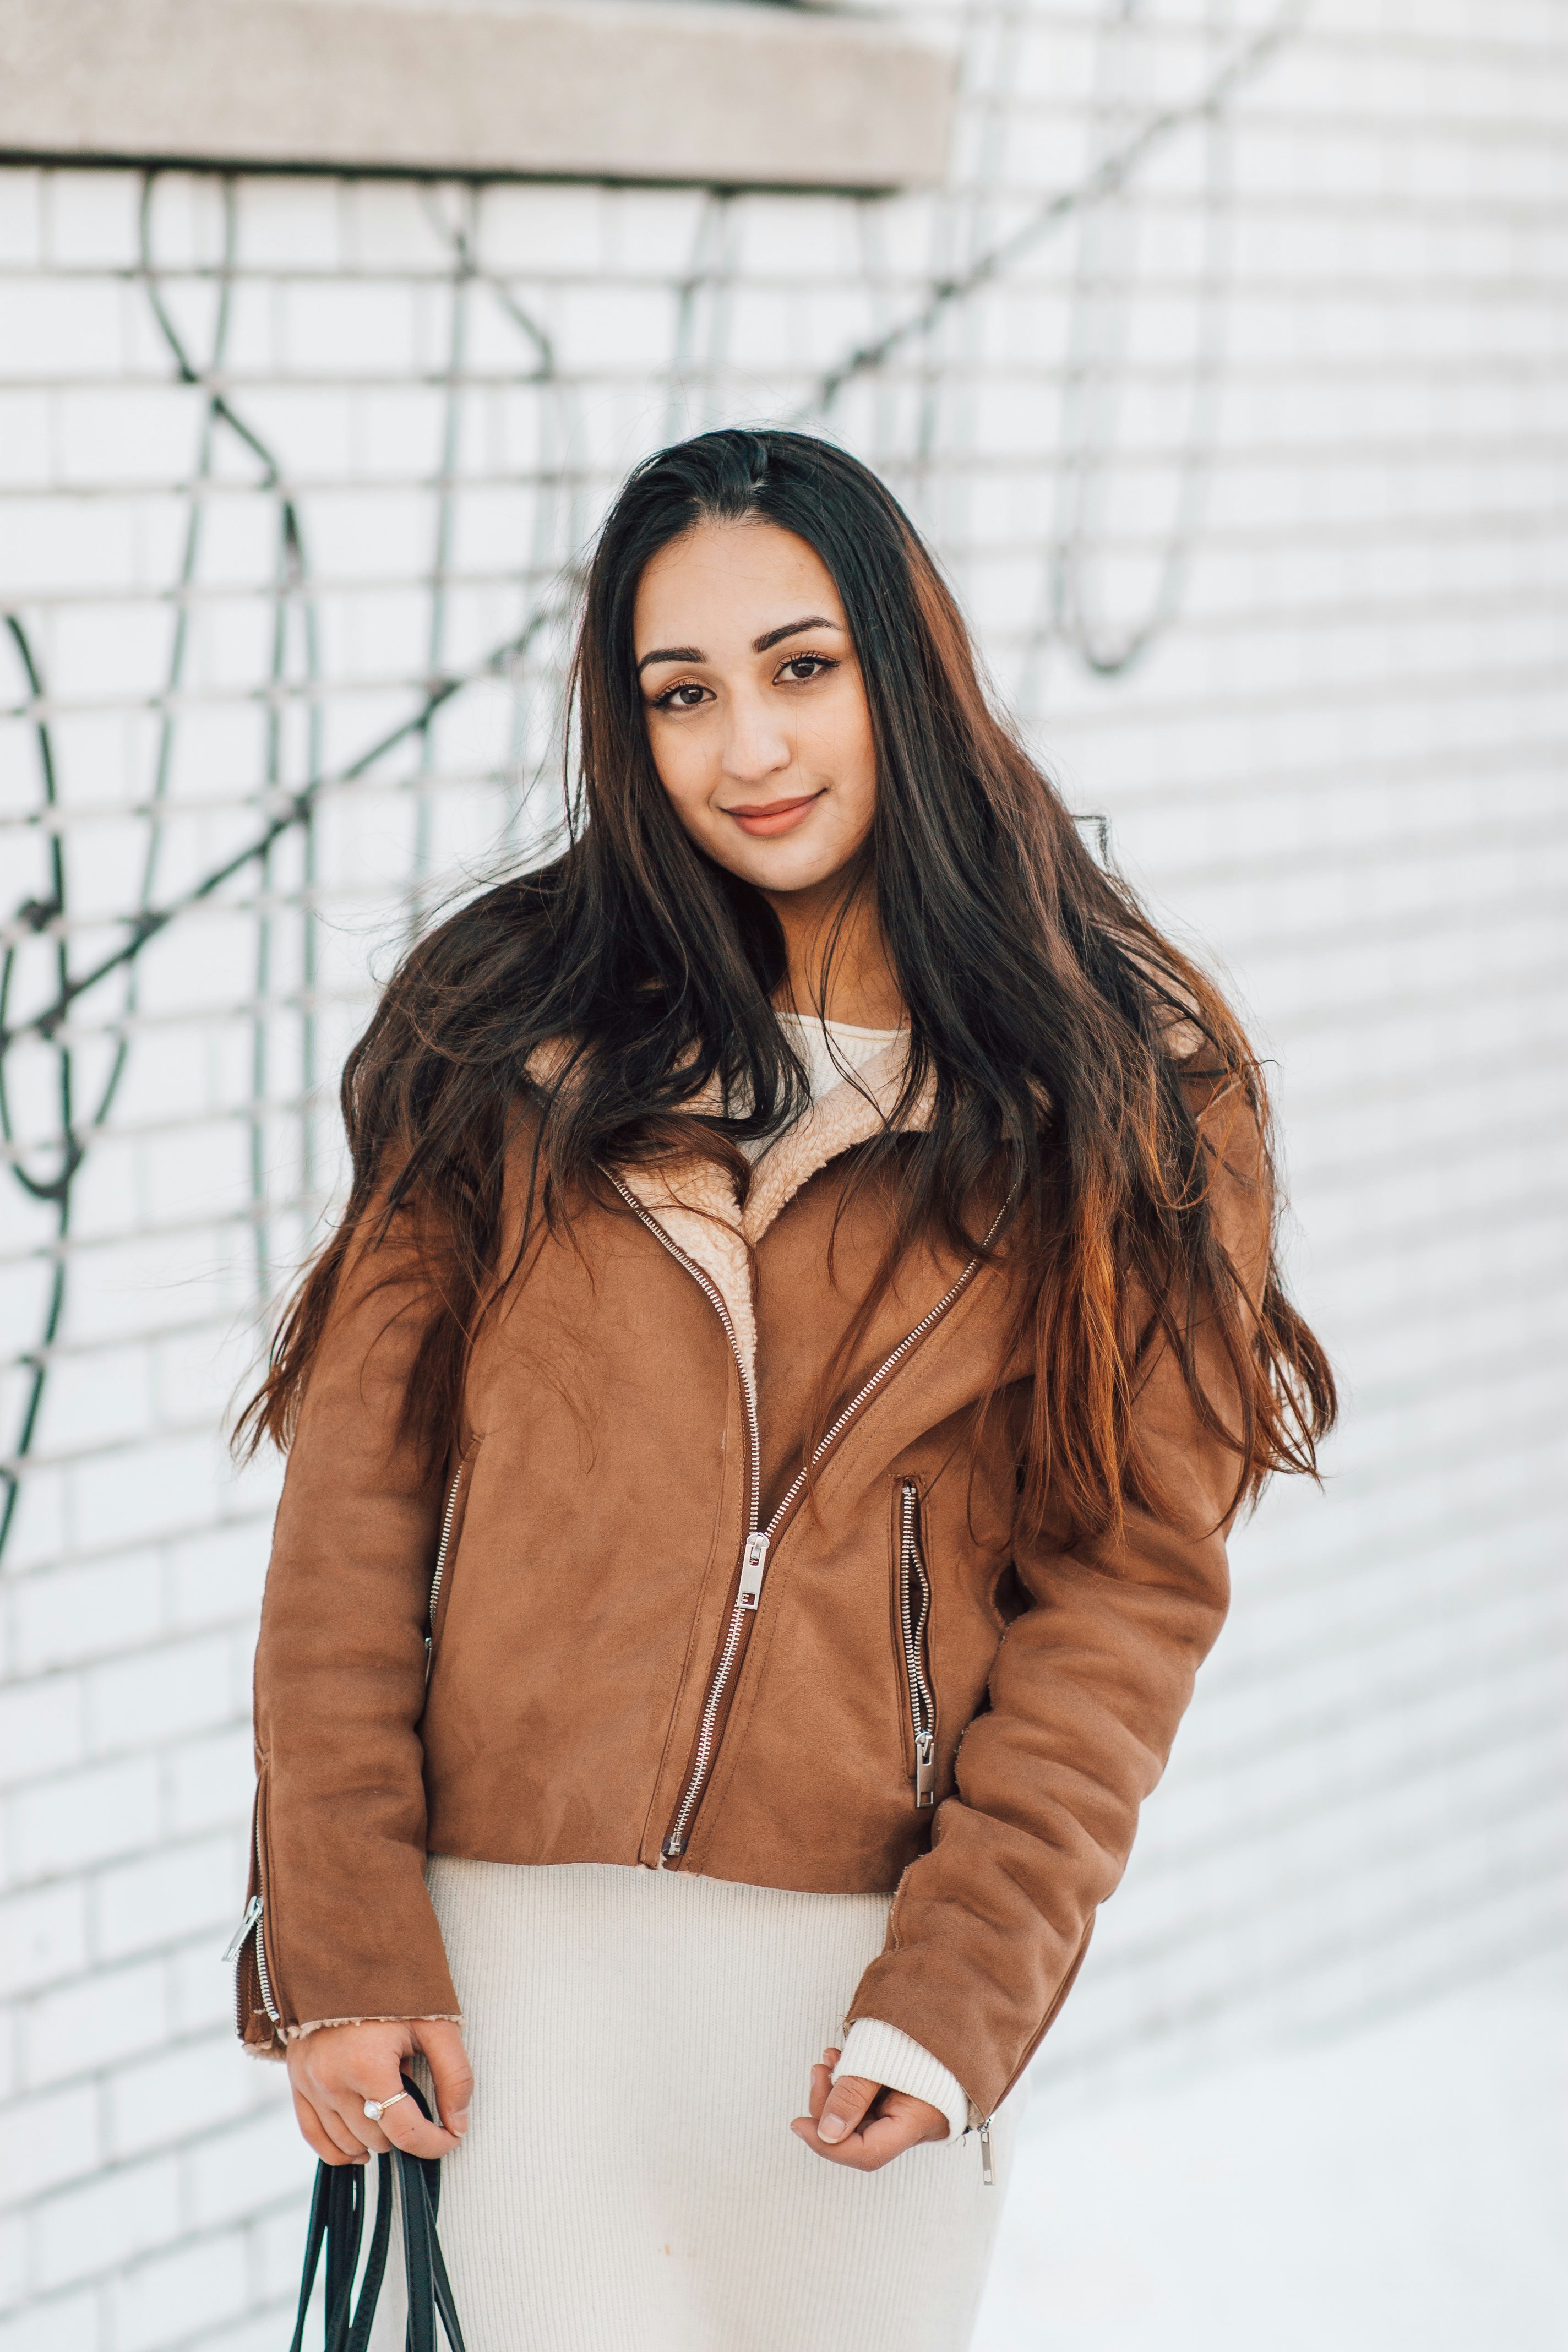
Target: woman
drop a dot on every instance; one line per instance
(762, 1441)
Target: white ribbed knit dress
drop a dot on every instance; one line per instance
(640, 2040)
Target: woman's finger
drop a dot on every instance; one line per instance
(333, 2147)
(846, 2103)
(351, 2115)
(895, 2128)
(895, 2122)
(406, 2128)
(451, 2076)
(866, 2150)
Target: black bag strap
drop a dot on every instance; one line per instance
(337, 2223)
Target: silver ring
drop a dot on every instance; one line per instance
(375, 2108)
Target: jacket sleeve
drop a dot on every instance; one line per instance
(1091, 1681)
(346, 1927)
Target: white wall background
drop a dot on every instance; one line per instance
(280, 457)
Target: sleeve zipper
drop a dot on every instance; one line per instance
(252, 1927)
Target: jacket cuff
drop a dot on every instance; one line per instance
(881, 2054)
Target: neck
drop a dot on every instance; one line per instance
(838, 957)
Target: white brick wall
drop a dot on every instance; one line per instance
(1338, 768)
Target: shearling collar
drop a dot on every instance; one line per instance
(694, 1203)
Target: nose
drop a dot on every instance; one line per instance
(757, 744)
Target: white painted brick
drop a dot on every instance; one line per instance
(181, 2092)
(166, 1894)
(200, 1988)
(160, 1694)
(210, 1781)
(82, 1817)
(27, 451)
(83, 2026)
(13, 2258)
(80, 2234)
(47, 2140)
(62, 2322)
(43, 1937)
(84, 1613)
(259, 2334)
(165, 2301)
(105, 436)
(352, 329)
(278, 2246)
(231, 2173)
(144, 1491)
(40, 1727)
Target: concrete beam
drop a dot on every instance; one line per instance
(727, 93)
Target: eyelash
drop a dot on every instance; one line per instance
(823, 664)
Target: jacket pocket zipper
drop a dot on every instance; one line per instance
(914, 1627)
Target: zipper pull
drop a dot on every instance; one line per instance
(754, 1562)
(925, 1769)
(252, 1914)
(988, 2169)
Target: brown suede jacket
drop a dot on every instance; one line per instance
(622, 1629)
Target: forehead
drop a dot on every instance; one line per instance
(735, 579)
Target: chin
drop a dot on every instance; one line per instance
(797, 873)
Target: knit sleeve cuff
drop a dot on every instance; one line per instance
(880, 2053)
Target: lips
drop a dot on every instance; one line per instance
(761, 819)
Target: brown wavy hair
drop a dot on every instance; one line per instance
(1071, 1047)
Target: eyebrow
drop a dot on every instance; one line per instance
(761, 644)
(791, 629)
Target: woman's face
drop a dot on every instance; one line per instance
(755, 709)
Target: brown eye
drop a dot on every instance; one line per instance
(802, 668)
(682, 698)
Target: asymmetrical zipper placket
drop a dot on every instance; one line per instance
(754, 1551)
(914, 1612)
(759, 1539)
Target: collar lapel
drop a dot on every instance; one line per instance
(694, 1205)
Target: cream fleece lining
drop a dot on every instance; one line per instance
(692, 1200)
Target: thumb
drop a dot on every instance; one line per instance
(451, 2076)
(845, 2106)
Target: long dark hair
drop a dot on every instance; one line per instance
(1071, 1045)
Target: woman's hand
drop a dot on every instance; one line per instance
(335, 2070)
(860, 2124)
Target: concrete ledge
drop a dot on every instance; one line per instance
(733, 94)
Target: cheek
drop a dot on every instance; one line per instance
(681, 762)
(846, 749)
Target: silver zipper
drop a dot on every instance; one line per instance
(756, 1559)
(913, 1623)
(988, 2169)
(251, 1925)
(755, 1553)
(440, 1568)
(237, 1942)
(268, 2003)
